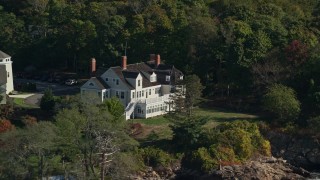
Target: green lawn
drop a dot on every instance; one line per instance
(21, 103)
(159, 120)
(160, 125)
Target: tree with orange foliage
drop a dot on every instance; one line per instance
(5, 125)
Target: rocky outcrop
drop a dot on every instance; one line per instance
(264, 168)
(301, 151)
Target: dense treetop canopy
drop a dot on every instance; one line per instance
(240, 45)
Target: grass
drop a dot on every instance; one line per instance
(21, 103)
(160, 125)
(158, 120)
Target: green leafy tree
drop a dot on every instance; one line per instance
(193, 91)
(282, 101)
(88, 130)
(28, 153)
(114, 106)
(47, 102)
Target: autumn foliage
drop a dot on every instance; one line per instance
(29, 120)
(5, 125)
(296, 53)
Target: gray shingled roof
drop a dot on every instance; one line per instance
(100, 83)
(130, 75)
(132, 71)
(3, 55)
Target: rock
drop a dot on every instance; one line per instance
(266, 168)
(300, 150)
(313, 156)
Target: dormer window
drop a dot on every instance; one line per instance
(167, 78)
(107, 79)
(153, 78)
(117, 81)
(138, 82)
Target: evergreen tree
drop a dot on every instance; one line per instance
(47, 102)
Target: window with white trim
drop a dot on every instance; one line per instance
(167, 78)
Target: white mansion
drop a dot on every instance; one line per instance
(143, 88)
(6, 76)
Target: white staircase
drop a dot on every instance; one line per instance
(130, 109)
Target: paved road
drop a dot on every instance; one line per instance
(57, 89)
(34, 99)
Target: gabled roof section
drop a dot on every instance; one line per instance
(130, 75)
(118, 71)
(3, 55)
(144, 68)
(103, 83)
(133, 70)
(100, 84)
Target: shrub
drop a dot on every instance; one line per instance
(265, 148)
(239, 140)
(203, 161)
(5, 125)
(231, 143)
(282, 101)
(29, 120)
(314, 124)
(155, 157)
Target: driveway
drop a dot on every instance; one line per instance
(57, 90)
(34, 99)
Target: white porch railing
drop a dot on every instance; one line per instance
(154, 100)
(131, 106)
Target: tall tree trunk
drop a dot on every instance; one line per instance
(103, 159)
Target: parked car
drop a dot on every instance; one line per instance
(71, 82)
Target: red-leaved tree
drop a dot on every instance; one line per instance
(5, 125)
(296, 53)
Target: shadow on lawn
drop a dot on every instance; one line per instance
(231, 119)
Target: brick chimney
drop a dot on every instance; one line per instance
(157, 60)
(152, 57)
(93, 67)
(124, 62)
